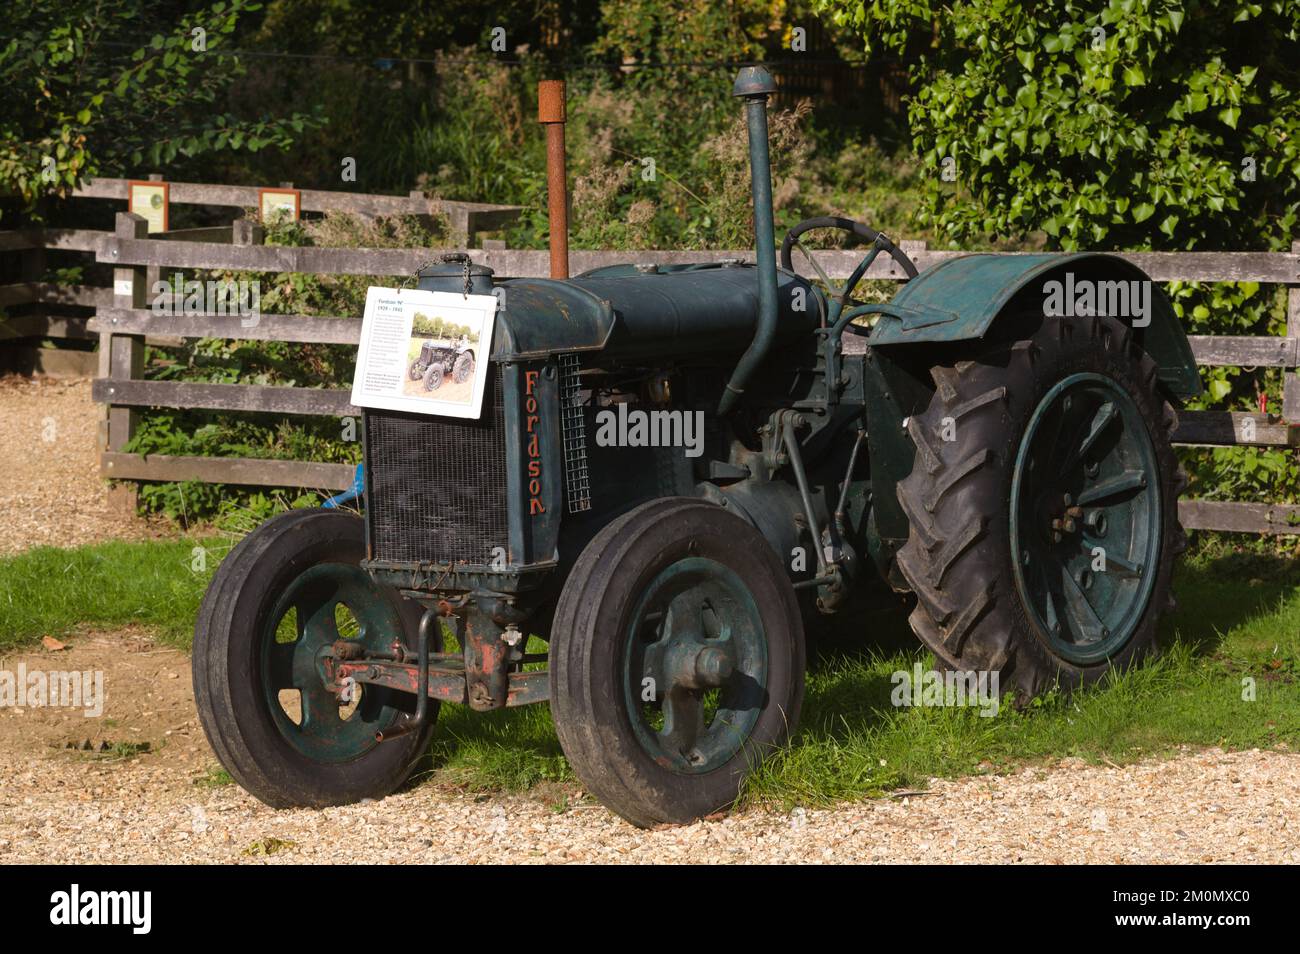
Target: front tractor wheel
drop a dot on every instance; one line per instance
(677, 660)
(265, 639)
(1043, 508)
(433, 377)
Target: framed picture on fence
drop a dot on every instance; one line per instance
(279, 202)
(149, 199)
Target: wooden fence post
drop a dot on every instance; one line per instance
(1290, 381)
(121, 357)
(246, 232)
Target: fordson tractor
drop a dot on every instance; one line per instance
(970, 441)
(435, 361)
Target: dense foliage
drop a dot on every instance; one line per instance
(88, 91)
(1128, 124)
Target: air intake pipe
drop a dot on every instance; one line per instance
(754, 84)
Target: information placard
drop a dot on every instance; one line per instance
(279, 202)
(150, 200)
(424, 351)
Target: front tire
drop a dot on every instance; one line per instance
(270, 614)
(677, 660)
(433, 377)
(1043, 509)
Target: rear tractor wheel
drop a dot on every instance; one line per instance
(1043, 508)
(677, 660)
(463, 368)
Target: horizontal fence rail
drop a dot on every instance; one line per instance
(123, 323)
(466, 218)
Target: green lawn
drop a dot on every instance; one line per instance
(1238, 618)
(157, 584)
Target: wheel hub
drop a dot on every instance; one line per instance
(1085, 518)
(696, 665)
(302, 642)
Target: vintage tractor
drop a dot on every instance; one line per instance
(435, 360)
(1004, 459)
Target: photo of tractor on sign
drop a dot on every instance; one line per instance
(434, 362)
(978, 441)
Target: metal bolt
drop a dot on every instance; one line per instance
(714, 666)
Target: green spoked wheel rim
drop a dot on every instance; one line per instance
(695, 666)
(295, 654)
(1085, 518)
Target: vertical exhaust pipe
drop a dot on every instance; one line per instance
(754, 84)
(550, 113)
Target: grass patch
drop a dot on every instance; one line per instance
(157, 584)
(214, 777)
(1238, 619)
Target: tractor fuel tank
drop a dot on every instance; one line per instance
(630, 311)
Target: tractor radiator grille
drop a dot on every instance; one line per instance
(436, 487)
(577, 482)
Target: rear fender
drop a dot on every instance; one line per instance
(962, 298)
(958, 303)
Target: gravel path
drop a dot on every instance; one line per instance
(50, 490)
(1208, 807)
(67, 805)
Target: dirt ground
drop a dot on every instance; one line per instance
(50, 490)
(139, 783)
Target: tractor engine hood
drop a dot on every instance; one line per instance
(631, 311)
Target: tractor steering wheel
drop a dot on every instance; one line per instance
(860, 229)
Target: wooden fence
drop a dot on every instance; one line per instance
(123, 325)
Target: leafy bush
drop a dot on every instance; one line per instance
(1134, 124)
(86, 94)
